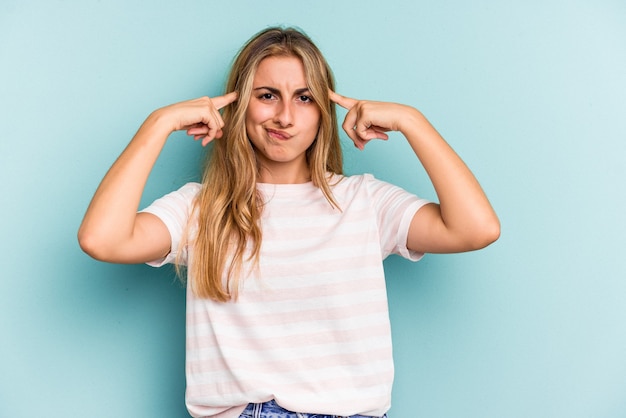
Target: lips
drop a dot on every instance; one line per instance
(277, 134)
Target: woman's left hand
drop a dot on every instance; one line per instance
(464, 219)
(367, 120)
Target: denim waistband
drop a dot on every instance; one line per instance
(271, 409)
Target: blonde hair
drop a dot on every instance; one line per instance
(228, 207)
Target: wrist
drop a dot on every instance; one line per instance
(161, 119)
(411, 121)
(155, 129)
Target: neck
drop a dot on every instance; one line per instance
(284, 175)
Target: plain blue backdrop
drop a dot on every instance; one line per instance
(530, 93)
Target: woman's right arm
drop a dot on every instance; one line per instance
(112, 230)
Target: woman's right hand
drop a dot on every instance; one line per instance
(112, 230)
(200, 117)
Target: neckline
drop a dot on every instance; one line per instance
(295, 187)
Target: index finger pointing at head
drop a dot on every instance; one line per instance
(221, 101)
(343, 101)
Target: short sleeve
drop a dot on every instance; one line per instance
(174, 210)
(395, 209)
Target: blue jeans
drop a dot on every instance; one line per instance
(272, 410)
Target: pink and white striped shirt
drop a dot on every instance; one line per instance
(311, 326)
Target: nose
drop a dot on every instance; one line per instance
(284, 115)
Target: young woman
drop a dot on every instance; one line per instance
(286, 301)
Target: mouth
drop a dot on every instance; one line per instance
(279, 135)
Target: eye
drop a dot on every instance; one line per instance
(305, 99)
(266, 96)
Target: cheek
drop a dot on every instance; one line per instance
(257, 114)
(314, 119)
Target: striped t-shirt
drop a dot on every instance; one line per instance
(310, 328)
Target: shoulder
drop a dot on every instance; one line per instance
(191, 188)
(176, 200)
(362, 183)
(352, 181)
(380, 194)
(186, 192)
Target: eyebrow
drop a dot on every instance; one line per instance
(275, 91)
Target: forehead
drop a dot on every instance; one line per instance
(281, 71)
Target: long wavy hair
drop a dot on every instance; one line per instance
(228, 236)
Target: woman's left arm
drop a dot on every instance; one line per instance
(464, 219)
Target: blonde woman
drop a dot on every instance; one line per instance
(286, 302)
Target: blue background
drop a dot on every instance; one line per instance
(532, 94)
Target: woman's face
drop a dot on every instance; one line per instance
(282, 120)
